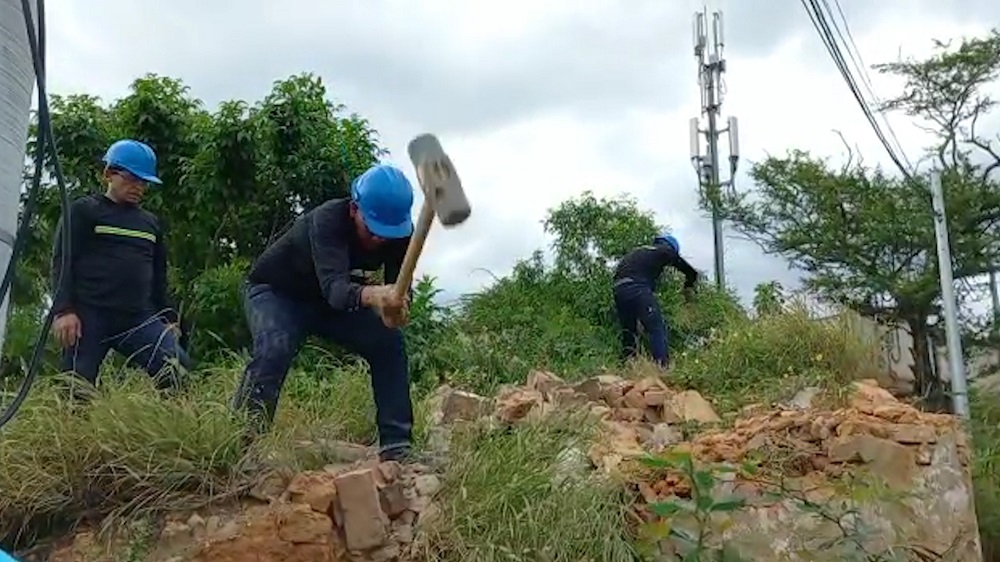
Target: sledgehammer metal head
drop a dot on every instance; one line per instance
(439, 180)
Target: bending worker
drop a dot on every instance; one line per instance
(634, 289)
(302, 285)
(113, 294)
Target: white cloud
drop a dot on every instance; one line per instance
(536, 102)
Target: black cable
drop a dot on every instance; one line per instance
(859, 66)
(45, 138)
(826, 36)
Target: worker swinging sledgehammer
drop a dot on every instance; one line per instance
(303, 285)
(113, 295)
(634, 287)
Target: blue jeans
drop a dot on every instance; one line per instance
(636, 304)
(280, 324)
(142, 338)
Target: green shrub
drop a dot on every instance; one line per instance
(214, 306)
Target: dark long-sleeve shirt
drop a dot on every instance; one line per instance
(118, 259)
(645, 264)
(317, 257)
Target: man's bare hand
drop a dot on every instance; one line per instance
(396, 317)
(67, 329)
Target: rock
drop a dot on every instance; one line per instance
(427, 484)
(803, 399)
(544, 382)
(629, 414)
(300, 524)
(571, 464)
(691, 406)
(603, 388)
(459, 405)
(276, 533)
(635, 399)
(515, 404)
(393, 499)
(664, 436)
(270, 487)
(315, 489)
(195, 521)
(568, 398)
(655, 397)
(913, 434)
(891, 461)
(867, 395)
(365, 526)
(175, 533)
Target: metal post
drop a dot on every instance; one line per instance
(17, 80)
(711, 66)
(995, 301)
(956, 364)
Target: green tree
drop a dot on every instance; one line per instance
(865, 237)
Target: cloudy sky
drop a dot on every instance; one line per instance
(535, 101)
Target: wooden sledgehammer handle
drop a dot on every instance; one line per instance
(414, 249)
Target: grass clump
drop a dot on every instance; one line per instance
(985, 426)
(763, 359)
(130, 452)
(514, 494)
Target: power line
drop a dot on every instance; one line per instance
(822, 27)
(862, 70)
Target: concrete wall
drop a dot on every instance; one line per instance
(897, 358)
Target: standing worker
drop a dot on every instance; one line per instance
(113, 295)
(303, 285)
(634, 289)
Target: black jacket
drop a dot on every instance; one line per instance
(645, 264)
(319, 257)
(118, 259)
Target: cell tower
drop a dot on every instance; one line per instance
(711, 67)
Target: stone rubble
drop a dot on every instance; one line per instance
(376, 512)
(369, 512)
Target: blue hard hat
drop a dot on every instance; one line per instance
(135, 157)
(4, 557)
(667, 238)
(384, 196)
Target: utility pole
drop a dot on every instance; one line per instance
(956, 364)
(711, 67)
(17, 81)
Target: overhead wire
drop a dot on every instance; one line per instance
(822, 26)
(861, 69)
(45, 144)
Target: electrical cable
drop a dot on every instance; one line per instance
(859, 66)
(822, 27)
(45, 137)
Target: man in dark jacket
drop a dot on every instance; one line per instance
(112, 292)
(303, 284)
(634, 285)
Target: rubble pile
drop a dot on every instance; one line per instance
(368, 513)
(637, 416)
(922, 455)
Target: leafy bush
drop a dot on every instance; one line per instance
(215, 310)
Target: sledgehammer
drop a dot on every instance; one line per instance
(443, 196)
